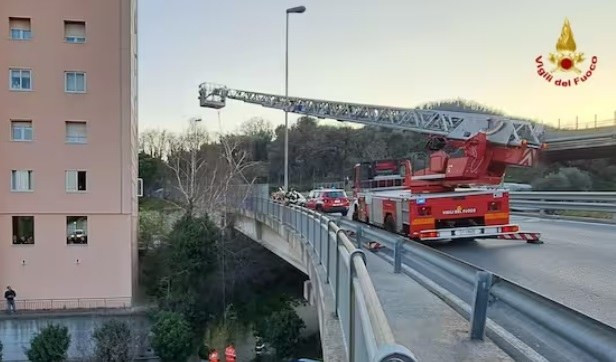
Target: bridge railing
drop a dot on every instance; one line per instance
(368, 336)
(564, 200)
(524, 323)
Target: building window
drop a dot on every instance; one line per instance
(75, 181)
(75, 82)
(75, 31)
(20, 28)
(76, 132)
(21, 130)
(21, 180)
(76, 229)
(20, 79)
(23, 229)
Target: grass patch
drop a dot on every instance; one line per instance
(156, 204)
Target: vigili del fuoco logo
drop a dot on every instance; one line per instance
(566, 62)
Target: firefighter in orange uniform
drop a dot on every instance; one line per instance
(230, 353)
(213, 357)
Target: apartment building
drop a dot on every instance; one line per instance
(68, 152)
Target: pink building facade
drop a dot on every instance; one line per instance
(68, 151)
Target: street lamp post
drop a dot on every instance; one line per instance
(193, 154)
(295, 10)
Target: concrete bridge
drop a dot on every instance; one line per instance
(580, 144)
(367, 310)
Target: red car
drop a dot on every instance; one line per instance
(328, 200)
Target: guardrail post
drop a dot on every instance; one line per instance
(336, 292)
(480, 304)
(301, 223)
(542, 210)
(398, 250)
(314, 231)
(328, 252)
(320, 240)
(359, 234)
(354, 253)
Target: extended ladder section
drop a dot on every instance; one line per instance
(451, 125)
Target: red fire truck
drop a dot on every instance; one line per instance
(456, 195)
(389, 196)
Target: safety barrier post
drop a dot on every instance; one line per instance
(480, 304)
(352, 271)
(359, 234)
(314, 230)
(336, 289)
(301, 223)
(328, 252)
(398, 250)
(320, 240)
(308, 227)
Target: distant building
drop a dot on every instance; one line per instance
(68, 151)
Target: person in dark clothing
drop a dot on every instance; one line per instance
(10, 295)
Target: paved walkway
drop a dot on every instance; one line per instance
(424, 323)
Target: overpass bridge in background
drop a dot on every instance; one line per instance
(576, 144)
(412, 302)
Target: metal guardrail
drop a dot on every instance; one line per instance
(564, 200)
(553, 330)
(366, 330)
(330, 185)
(66, 304)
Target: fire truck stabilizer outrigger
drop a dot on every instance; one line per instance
(457, 195)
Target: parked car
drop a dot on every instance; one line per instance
(78, 237)
(328, 201)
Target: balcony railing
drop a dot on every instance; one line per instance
(70, 304)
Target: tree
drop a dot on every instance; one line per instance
(172, 340)
(50, 344)
(177, 272)
(566, 179)
(205, 173)
(154, 143)
(114, 342)
(282, 330)
(153, 171)
(152, 224)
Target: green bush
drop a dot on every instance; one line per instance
(566, 179)
(282, 330)
(172, 338)
(113, 342)
(50, 344)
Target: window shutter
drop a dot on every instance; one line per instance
(76, 131)
(19, 23)
(75, 29)
(71, 180)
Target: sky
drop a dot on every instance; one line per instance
(388, 52)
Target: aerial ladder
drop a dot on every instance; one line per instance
(489, 143)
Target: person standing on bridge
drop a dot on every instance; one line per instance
(230, 353)
(10, 295)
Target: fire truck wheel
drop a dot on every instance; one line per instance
(319, 208)
(345, 212)
(389, 224)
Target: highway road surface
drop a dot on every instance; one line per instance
(576, 265)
